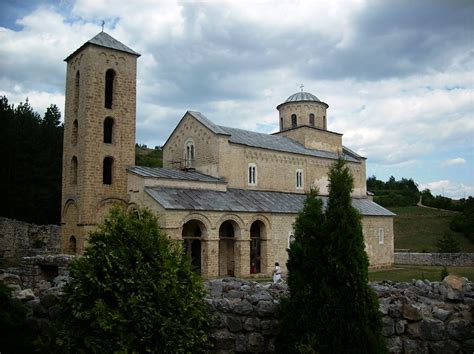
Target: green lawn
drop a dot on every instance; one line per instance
(418, 229)
(405, 273)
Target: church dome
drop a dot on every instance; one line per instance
(302, 96)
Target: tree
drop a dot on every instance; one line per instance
(133, 291)
(328, 274)
(448, 243)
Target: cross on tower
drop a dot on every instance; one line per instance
(301, 87)
(103, 23)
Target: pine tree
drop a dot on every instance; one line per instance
(448, 243)
(331, 308)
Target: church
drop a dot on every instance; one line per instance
(230, 195)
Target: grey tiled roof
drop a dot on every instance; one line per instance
(170, 173)
(207, 123)
(302, 96)
(278, 143)
(242, 200)
(105, 40)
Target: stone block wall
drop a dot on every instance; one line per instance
(435, 259)
(19, 239)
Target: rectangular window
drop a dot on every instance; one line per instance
(252, 174)
(299, 179)
(381, 235)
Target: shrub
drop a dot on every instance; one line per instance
(444, 273)
(448, 243)
(331, 308)
(133, 291)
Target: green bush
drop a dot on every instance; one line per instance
(448, 243)
(331, 308)
(16, 335)
(133, 291)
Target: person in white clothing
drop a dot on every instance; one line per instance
(277, 273)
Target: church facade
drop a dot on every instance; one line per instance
(229, 194)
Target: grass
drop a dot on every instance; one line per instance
(418, 229)
(406, 273)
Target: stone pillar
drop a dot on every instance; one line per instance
(242, 257)
(210, 258)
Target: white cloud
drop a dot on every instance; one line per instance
(447, 188)
(454, 162)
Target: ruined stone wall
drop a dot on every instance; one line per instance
(435, 259)
(19, 239)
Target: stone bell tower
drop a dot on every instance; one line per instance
(99, 135)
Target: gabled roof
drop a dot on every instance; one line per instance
(169, 173)
(243, 200)
(105, 40)
(207, 123)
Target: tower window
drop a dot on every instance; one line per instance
(281, 123)
(107, 170)
(74, 170)
(76, 92)
(109, 87)
(294, 121)
(108, 130)
(189, 154)
(311, 119)
(75, 129)
(299, 179)
(324, 123)
(252, 174)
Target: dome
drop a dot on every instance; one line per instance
(302, 96)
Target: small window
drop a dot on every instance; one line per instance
(324, 123)
(72, 245)
(75, 130)
(311, 119)
(107, 170)
(109, 87)
(294, 121)
(108, 130)
(74, 170)
(281, 123)
(291, 238)
(190, 154)
(381, 236)
(299, 179)
(252, 174)
(77, 88)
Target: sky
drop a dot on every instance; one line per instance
(398, 75)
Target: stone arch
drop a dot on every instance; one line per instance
(236, 219)
(104, 206)
(228, 231)
(203, 219)
(72, 247)
(192, 232)
(70, 208)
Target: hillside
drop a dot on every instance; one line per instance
(148, 157)
(418, 229)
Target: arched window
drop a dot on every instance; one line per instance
(75, 129)
(294, 121)
(72, 245)
(324, 123)
(252, 174)
(76, 92)
(108, 130)
(109, 87)
(74, 170)
(299, 179)
(107, 170)
(311, 119)
(281, 123)
(190, 154)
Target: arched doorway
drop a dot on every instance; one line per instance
(192, 234)
(226, 248)
(257, 230)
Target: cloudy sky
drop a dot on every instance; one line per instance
(398, 75)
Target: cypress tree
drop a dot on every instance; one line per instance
(331, 308)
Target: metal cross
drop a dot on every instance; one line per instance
(301, 87)
(103, 23)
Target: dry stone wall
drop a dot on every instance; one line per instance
(435, 259)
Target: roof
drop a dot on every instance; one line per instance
(243, 200)
(105, 40)
(170, 173)
(302, 97)
(279, 143)
(207, 123)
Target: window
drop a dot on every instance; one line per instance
(72, 245)
(294, 121)
(299, 179)
(381, 236)
(109, 87)
(76, 92)
(311, 119)
(281, 123)
(75, 129)
(108, 130)
(74, 170)
(291, 238)
(107, 170)
(190, 154)
(324, 122)
(252, 175)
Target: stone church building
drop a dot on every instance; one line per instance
(230, 195)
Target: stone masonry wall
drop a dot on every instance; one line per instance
(435, 259)
(418, 317)
(19, 239)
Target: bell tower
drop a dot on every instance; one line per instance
(99, 135)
